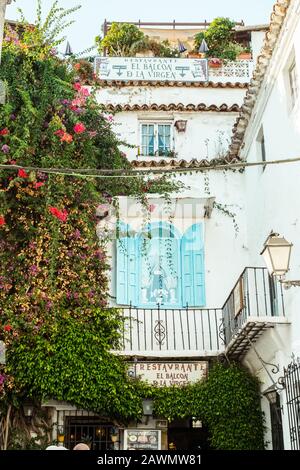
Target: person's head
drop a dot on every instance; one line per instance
(81, 446)
(56, 448)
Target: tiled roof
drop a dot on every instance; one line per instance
(173, 107)
(173, 163)
(277, 19)
(120, 84)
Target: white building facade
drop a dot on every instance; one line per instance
(187, 271)
(268, 130)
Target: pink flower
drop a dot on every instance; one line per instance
(38, 185)
(84, 92)
(60, 133)
(5, 148)
(77, 86)
(93, 134)
(22, 174)
(60, 215)
(109, 118)
(66, 138)
(79, 128)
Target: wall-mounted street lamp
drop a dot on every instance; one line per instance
(271, 395)
(180, 125)
(148, 407)
(277, 253)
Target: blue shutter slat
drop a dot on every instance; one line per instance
(126, 267)
(122, 270)
(132, 271)
(193, 280)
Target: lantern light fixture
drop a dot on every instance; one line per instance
(277, 253)
(181, 125)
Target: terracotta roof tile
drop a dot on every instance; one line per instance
(173, 163)
(122, 84)
(234, 108)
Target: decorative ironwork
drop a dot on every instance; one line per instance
(159, 332)
(292, 382)
(167, 329)
(260, 296)
(238, 70)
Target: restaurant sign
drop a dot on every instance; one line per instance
(167, 374)
(151, 69)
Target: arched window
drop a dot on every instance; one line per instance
(159, 266)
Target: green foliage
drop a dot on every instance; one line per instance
(219, 38)
(69, 360)
(228, 402)
(53, 267)
(127, 40)
(198, 38)
(120, 39)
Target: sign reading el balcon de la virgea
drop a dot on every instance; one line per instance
(168, 374)
(151, 69)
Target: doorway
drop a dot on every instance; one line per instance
(189, 434)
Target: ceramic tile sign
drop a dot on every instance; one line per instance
(168, 374)
(142, 439)
(151, 69)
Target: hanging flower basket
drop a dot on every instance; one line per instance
(215, 63)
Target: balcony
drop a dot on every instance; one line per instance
(254, 305)
(156, 69)
(172, 332)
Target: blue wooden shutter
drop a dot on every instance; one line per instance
(192, 258)
(126, 267)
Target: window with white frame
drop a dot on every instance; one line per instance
(156, 139)
(293, 80)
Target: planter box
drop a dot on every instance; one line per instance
(245, 56)
(213, 65)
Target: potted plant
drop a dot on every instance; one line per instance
(219, 38)
(215, 62)
(245, 54)
(120, 39)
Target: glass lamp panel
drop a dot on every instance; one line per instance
(280, 259)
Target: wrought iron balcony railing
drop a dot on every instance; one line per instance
(189, 331)
(254, 304)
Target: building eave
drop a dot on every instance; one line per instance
(223, 108)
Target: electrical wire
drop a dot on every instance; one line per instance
(138, 172)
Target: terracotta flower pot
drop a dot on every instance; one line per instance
(245, 56)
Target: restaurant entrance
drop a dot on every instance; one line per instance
(189, 434)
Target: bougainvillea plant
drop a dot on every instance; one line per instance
(53, 266)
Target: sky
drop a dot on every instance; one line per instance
(90, 17)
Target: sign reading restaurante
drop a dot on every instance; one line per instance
(166, 374)
(151, 69)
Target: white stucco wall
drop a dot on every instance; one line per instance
(272, 195)
(170, 94)
(272, 199)
(207, 134)
(257, 39)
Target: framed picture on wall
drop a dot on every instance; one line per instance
(142, 439)
(238, 297)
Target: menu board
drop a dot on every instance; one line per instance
(142, 439)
